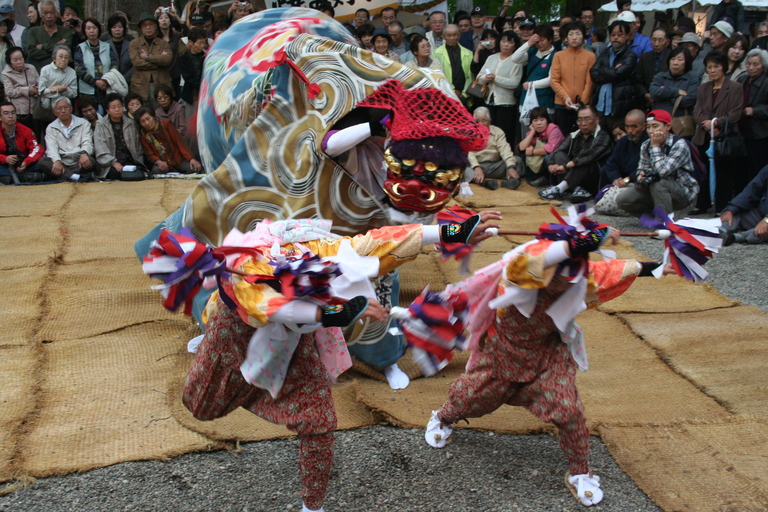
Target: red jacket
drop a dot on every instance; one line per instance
(25, 141)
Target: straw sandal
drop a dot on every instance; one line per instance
(585, 488)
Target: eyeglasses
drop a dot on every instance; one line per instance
(581, 120)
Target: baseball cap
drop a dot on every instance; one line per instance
(197, 19)
(478, 11)
(6, 8)
(527, 23)
(691, 37)
(724, 27)
(662, 116)
(627, 16)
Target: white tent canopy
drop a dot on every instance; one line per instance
(662, 5)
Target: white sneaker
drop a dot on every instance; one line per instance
(585, 488)
(437, 433)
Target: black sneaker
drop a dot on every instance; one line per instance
(491, 184)
(728, 239)
(510, 183)
(541, 181)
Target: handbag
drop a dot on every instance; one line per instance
(729, 145)
(477, 90)
(605, 200)
(682, 126)
(535, 162)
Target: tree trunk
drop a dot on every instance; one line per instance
(103, 9)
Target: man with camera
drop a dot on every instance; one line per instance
(665, 172)
(70, 18)
(238, 10)
(42, 39)
(19, 150)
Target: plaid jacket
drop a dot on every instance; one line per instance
(673, 162)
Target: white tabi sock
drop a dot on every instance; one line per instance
(304, 508)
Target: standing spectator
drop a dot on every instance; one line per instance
(133, 102)
(381, 43)
(151, 57)
(652, 63)
(495, 162)
(692, 43)
(364, 34)
(719, 100)
(664, 175)
(396, 31)
(8, 13)
(19, 150)
(165, 149)
(435, 35)
(173, 37)
(362, 16)
(561, 34)
(191, 63)
(542, 139)
(462, 21)
(42, 39)
(728, 10)
(237, 10)
(70, 18)
(736, 49)
(471, 39)
(33, 17)
(525, 28)
(487, 47)
(614, 77)
(570, 77)
(503, 76)
(678, 80)
(719, 35)
(57, 78)
(93, 58)
(575, 164)
(638, 43)
(116, 140)
(168, 109)
(69, 144)
(5, 42)
(388, 15)
(597, 43)
(455, 61)
(89, 110)
(587, 17)
(421, 54)
(119, 41)
(754, 121)
(20, 83)
(536, 55)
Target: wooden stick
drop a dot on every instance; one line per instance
(534, 233)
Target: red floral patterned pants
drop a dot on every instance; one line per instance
(498, 374)
(215, 387)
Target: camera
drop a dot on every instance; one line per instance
(165, 9)
(242, 4)
(487, 44)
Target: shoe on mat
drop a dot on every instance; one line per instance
(510, 183)
(550, 193)
(491, 184)
(728, 239)
(541, 181)
(580, 195)
(437, 433)
(585, 488)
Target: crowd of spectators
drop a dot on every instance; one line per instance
(593, 86)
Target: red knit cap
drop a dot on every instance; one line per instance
(422, 113)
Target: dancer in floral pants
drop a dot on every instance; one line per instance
(522, 357)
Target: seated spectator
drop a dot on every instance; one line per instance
(69, 144)
(618, 131)
(169, 109)
(652, 63)
(496, 161)
(754, 121)
(575, 164)
(665, 173)
(620, 168)
(421, 55)
(93, 58)
(678, 81)
(164, 148)
(20, 83)
(570, 77)
(119, 41)
(613, 74)
(151, 56)
(133, 102)
(191, 64)
(116, 140)
(542, 139)
(745, 219)
(381, 43)
(57, 78)
(42, 39)
(364, 34)
(89, 110)
(19, 150)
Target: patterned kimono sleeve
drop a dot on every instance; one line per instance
(393, 245)
(608, 279)
(526, 269)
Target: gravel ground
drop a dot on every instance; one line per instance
(382, 467)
